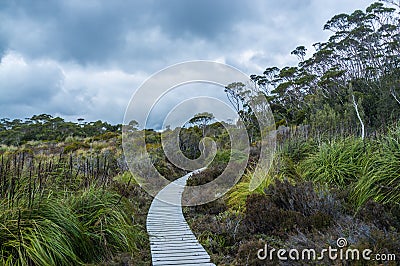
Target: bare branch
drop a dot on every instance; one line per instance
(393, 93)
(359, 117)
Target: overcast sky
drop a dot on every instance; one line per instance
(85, 58)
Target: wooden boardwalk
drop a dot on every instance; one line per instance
(171, 240)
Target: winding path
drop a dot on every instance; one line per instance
(171, 240)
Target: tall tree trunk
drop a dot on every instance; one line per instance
(359, 117)
(394, 95)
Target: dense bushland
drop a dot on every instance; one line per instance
(312, 195)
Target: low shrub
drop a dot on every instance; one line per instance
(220, 234)
(247, 254)
(223, 157)
(74, 146)
(285, 208)
(206, 176)
(215, 207)
(106, 136)
(375, 213)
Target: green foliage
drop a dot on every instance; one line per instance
(298, 149)
(88, 227)
(60, 210)
(126, 178)
(106, 136)
(237, 196)
(47, 128)
(223, 157)
(363, 50)
(284, 167)
(202, 120)
(107, 222)
(381, 177)
(75, 145)
(338, 163)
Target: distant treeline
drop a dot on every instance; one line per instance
(45, 127)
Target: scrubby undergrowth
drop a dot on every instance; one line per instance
(312, 195)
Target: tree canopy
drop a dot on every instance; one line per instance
(363, 53)
(202, 120)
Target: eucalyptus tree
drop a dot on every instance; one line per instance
(202, 120)
(363, 50)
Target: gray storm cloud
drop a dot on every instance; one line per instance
(86, 58)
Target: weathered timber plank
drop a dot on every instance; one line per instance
(171, 240)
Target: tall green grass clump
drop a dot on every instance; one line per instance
(381, 178)
(298, 149)
(45, 234)
(90, 226)
(338, 163)
(106, 222)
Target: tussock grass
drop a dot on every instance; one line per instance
(381, 176)
(298, 149)
(236, 198)
(337, 164)
(106, 221)
(45, 234)
(52, 213)
(88, 227)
